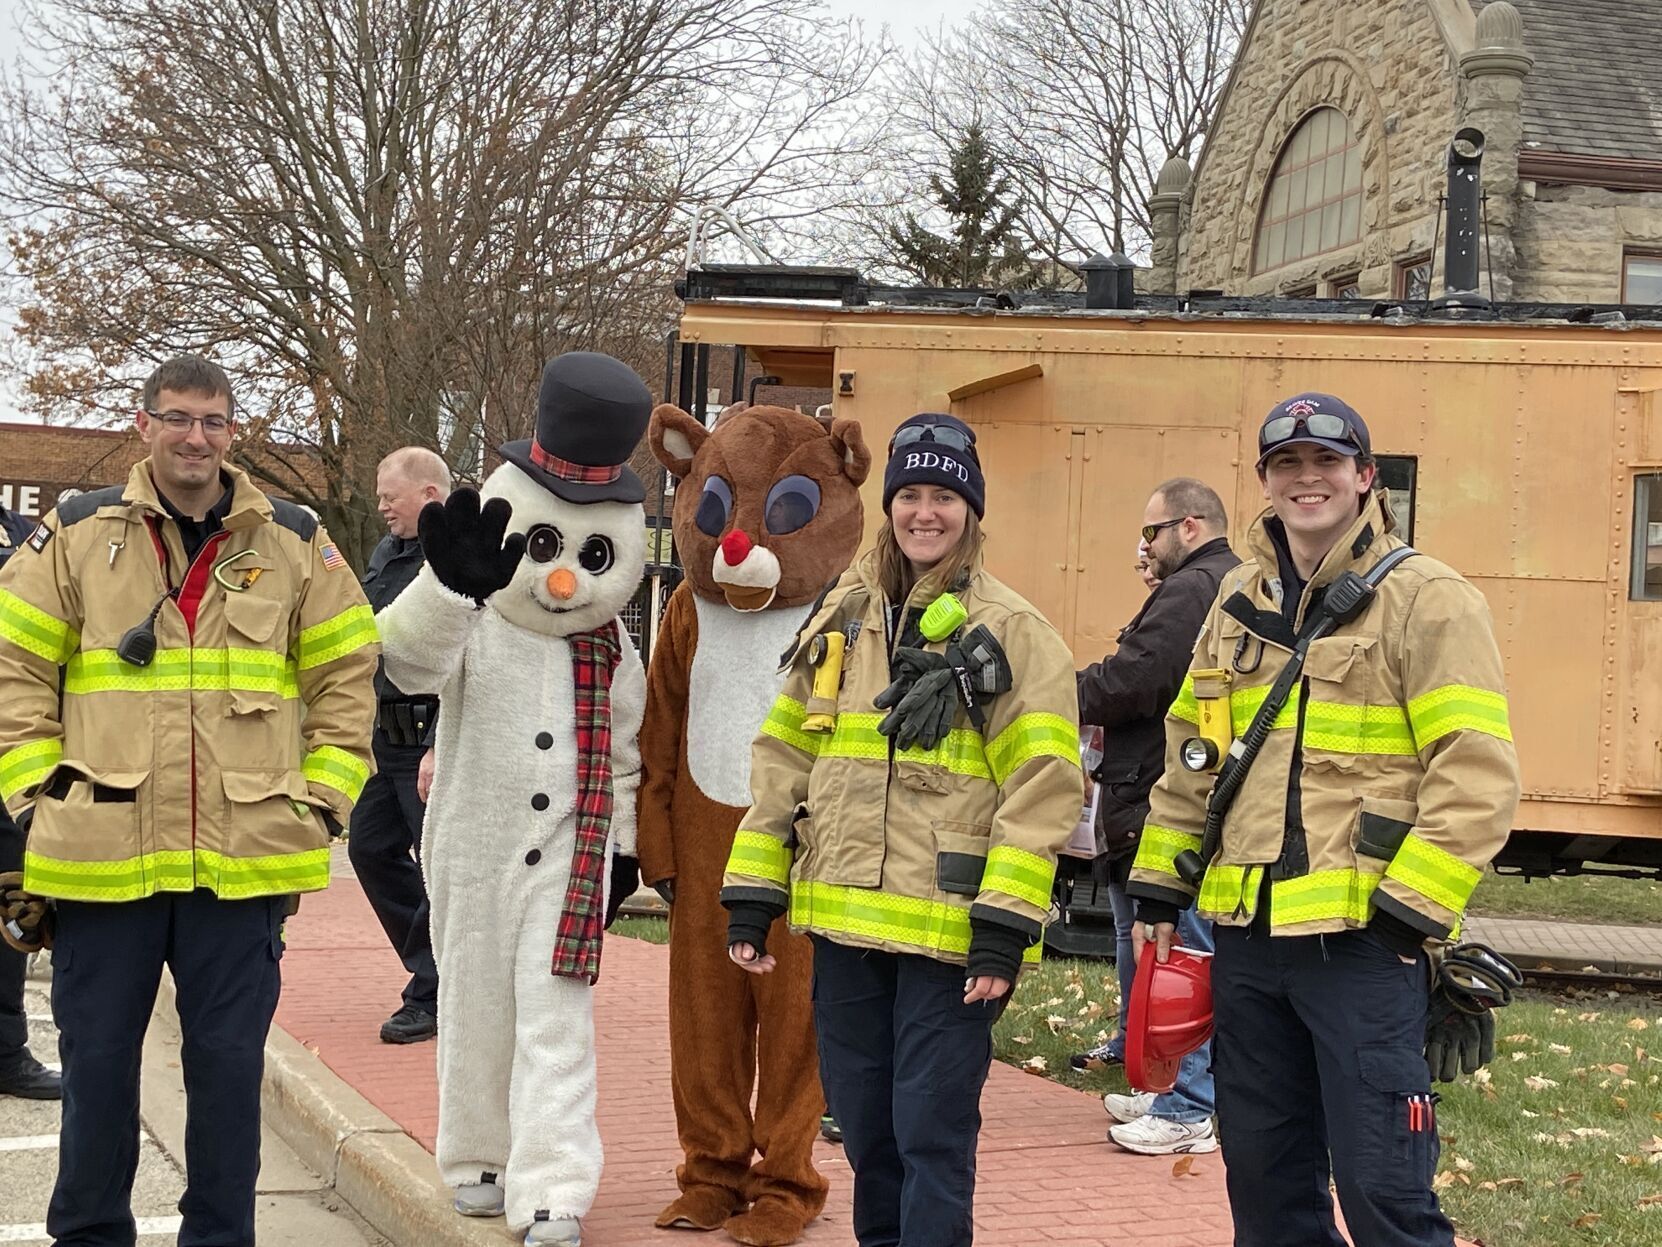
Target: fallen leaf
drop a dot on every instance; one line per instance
(1654, 1147)
(1637, 1024)
(1483, 1078)
(1519, 1039)
(1562, 1049)
(1588, 1017)
(1590, 1132)
(1184, 1167)
(1056, 1022)
(1537, 1083)
(1586, 1220)
(1522, 1056)
(1619, 1102)
(1442, 1181)
(1463, 1165)
(1488, 1186)
(1035, 1065)
(1620, 1071)
(1509, 1182)
(1571, 1180)
(1650, 1201)
(1527, 1113)
(1021, 1039)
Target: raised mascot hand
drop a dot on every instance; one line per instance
(465, 546)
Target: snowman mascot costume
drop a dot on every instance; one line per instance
(530, 832)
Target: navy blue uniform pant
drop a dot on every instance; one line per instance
(1319, 1047)
(106, 966)
(385, 848)
(14, 1027)
(903, 1059)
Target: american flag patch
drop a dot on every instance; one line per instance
(332, 557)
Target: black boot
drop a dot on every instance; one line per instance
(409, 1025)
(28, 1079)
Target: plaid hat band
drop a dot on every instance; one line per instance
(577, 473)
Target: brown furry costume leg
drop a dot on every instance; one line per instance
(715, 1013)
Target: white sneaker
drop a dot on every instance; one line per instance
(1128, 1107)
(480, 1199)
(1160, 1136)
(558, 1232)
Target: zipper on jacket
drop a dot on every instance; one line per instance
(1295, 849)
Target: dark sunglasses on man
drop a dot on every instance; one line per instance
(1151, 531)
(939, 434)
(1316, 424)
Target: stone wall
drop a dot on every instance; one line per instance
(1389, 67)
(1569, 240)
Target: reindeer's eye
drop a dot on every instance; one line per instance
(792, 502)
(715, 506)
(596, 556)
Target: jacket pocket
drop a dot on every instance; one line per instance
(1395, 1160)
(960, 856)
(1382, 824)
(85, 814)
(253, 618)
(271, 812)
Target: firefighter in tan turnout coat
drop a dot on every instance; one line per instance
(1386, 783)
(185, 713)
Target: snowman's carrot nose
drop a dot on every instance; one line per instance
(561, 583)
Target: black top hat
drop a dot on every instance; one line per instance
(591, 412)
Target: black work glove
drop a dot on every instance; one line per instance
(626, 878)
(465, 546)
(922, 701)
(1456, 1041)
(25, 919)
(666, 889)
(748, 923)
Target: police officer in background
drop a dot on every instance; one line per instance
(385, 844)
(20, 1074)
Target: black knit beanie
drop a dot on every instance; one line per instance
(918, 457)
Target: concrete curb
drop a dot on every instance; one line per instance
(384, 1175)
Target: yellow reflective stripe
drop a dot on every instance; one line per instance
(1030, 736)
(856, 736)
(1158, 847)
(336, 637)
(1340, 728)
(1229, 889)
(1018, 873)
(1185, 707)
(760, 856)
(1324, 894)
(1458, 707)
(932, 926)
(1244, 703)
(246, 670)
(27, 765)
(784, 723)
(176, 870)
(337, 769)
(1434, 873)
(962, 752)
(32, 629)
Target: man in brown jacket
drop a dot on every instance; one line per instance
(185, 713)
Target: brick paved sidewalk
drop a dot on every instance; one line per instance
(1571, 945)
(1046, 1174)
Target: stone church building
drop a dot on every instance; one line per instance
(1323, 169)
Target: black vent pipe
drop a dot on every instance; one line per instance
(1465, 223)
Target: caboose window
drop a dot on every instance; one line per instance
(1400, 475)
(1313, 202)
(1647, 538)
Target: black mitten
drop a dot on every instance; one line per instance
(465, 545)
(626, 878)
(1456, 1041)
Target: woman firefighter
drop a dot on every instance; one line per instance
(909, 792)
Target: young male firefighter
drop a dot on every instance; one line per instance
(1356, 832)
(186, 697)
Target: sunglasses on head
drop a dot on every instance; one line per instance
(1317, 424)
(940, 434)
(1151, 531)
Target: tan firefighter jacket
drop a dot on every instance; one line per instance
(207, 768)
(895, 849)
(1389, 779)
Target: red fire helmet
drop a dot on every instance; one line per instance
(1171, 1016)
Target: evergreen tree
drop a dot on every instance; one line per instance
(985, 246)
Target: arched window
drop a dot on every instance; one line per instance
(1314, 200)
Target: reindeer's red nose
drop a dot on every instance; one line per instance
(735, 547)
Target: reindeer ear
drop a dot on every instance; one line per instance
(675, 438)
(847, 438)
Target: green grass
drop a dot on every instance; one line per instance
(1578, 898)
(652, 930)
(1061, 1007)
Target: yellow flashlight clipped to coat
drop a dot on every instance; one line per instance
(825, 656)
(1207, 750)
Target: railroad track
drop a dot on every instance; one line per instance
(1555, 978)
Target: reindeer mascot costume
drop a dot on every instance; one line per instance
(767, 514)
(531, 822)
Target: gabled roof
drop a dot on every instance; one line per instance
(1596, 88)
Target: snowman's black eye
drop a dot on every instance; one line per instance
(596, 555)
(543, 543)
(715, 504)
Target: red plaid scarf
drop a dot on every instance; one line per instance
(594, 657)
